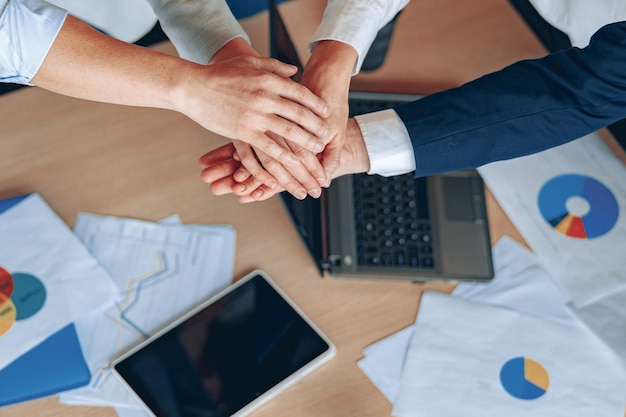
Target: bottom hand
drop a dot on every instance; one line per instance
(221, 164)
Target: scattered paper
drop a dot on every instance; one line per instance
(161, 271)
(520, 283)
(569, 203)
(606, 316)
(481, 360)
(47, 278)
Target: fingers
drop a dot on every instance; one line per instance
(304, 113)
(219, 170)
(251, 166)
(248, 191)
(236, 99)
(295, 92)
(299, 125)
(277, 67)
(331, 158)
(307, 177)
(220, 154)
(269, 146)
(287, 180)
(260, 194)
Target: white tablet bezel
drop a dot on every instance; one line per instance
(272, 392)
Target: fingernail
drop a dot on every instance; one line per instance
(323, 182)
(240, 188)
(257, 194)
(300, 194)
(271, 184)
(315, 193)
(319, 147)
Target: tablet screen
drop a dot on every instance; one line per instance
(225, 355)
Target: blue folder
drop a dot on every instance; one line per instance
(57, 364)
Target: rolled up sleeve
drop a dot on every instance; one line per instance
(356, 23)
(198, 28)
(28, 29)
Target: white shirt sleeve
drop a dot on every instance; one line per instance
(27, 30)
(579, 20)
(388, 143)
(197, 28)
(355, 22)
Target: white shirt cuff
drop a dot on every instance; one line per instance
(388, 143)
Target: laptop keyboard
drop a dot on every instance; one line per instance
(393, 222)
(359, 106)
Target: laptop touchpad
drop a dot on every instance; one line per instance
(457, 194)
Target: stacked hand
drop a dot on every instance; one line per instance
(240, 95)
(221, 164)
(253, 173)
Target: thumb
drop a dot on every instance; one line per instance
(331, 161)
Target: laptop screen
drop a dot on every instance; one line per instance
(305, 214)
(281, 45)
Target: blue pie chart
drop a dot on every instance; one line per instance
(600, 216)
(524, 378)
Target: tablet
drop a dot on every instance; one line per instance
(227, 356)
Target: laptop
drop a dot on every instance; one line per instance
(390, 228)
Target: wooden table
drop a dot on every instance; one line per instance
(141, 163)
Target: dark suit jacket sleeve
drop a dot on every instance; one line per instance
(524, 108)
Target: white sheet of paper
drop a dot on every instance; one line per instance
(584, 182)
(161, 271)
(53, 279)
(607, 318)
(519, 283)
(384, 360)
(474, 359)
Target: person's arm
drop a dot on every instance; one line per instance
(524, 108)
(338, 47)
(301, 179)
(241, 98)
(206, 31)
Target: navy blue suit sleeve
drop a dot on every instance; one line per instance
(524, 108)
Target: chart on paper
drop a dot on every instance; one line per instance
(161, 271)
(578, 206)
(22, 295)
(524, 378)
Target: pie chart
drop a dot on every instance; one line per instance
(578, 206)
(524, 378)
(21, 297)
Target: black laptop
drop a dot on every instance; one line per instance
(391, 228)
